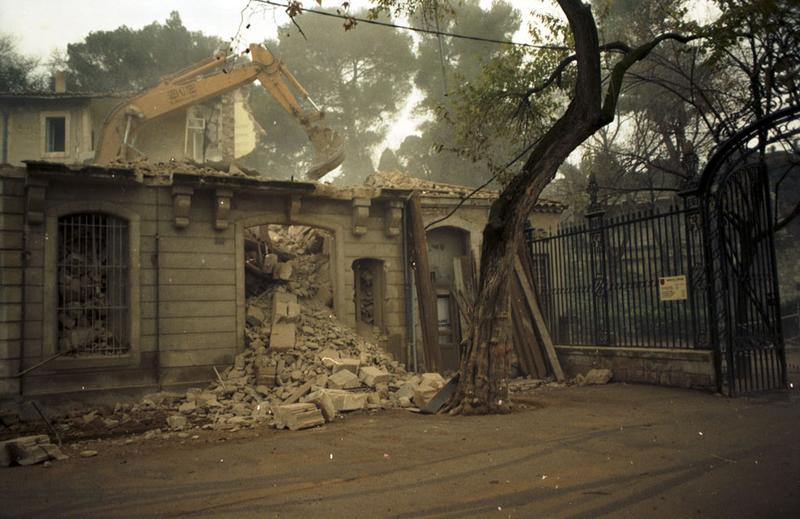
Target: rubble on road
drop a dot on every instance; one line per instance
(29, 450)
(594, 377)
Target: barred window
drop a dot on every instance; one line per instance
(93, 290)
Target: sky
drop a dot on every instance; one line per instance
(40, 26)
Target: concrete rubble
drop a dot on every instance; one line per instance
(325, 370)
(594, 377)
(29, 450)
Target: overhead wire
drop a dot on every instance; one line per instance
(414, 29)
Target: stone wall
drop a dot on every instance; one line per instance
(186, 268)
(12, 190)
(666, 367)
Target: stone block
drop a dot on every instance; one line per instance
(283, 336)
(406, 390)
(329, 358)
(370, 375)
(270, 260)
(349, 364)
(594, 377)
(343, 379)
(255, 316)
(423, 394)
(346, 400)
(266, 377)
(325, 403)
(282, 271)
(176, 422)
(25, 450)
(297, 416)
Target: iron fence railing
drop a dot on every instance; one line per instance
(602, 283)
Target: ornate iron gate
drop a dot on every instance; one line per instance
(750, 354)
(740, 259)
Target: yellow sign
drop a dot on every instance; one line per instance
(672, 288)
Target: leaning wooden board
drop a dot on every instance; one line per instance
(538, 319)
(426, 297)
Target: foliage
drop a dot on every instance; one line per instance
(683, 101)
(128, 60)
(445, 65)
(359, 77)
(17, 72)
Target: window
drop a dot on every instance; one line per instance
(93, 292)
(194, 146)
(55, 134)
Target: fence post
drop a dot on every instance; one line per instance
(597, 254)
(695, 265)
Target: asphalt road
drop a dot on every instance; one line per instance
(616, 450)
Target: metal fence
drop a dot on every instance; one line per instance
(623, 281)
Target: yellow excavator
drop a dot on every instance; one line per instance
(210, 78)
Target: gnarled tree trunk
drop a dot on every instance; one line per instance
(484, 371)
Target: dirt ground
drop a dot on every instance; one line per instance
(617, 450)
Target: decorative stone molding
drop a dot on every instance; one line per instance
(182, 205)
(394, 218)
(360, 215)
(35, 202)
(222, 204)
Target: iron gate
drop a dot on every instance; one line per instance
(740, 259)
(721, 243)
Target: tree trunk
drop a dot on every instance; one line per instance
(484, 371)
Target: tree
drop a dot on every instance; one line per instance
(360, 78)
(686, 101)
(129, 60)
(17, 72)
(591, 105)
(443, 66)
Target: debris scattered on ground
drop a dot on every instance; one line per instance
(594, 377)
(29, 450)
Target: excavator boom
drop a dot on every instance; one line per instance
(189, 86)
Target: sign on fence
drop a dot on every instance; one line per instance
(672, 288)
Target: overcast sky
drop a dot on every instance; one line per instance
(39, 26)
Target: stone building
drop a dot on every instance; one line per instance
(145, 268)
(64, 126)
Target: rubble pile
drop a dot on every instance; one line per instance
(29, 450)
(144, 167)
(400, 180)
(296, 256)
(303, 356)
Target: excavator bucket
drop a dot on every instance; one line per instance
(328, 150)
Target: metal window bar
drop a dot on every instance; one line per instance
(93, 298)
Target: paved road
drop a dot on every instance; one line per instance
(617, 450)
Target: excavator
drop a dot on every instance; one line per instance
(207, 79)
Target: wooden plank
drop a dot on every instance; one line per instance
(460, 289)
(426, 296)
(526, 344)
(538, 320)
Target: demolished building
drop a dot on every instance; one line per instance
(135, 277)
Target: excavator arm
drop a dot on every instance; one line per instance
(192, 85)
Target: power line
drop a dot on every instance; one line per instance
(415, 29)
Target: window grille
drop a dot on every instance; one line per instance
(93, 285)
